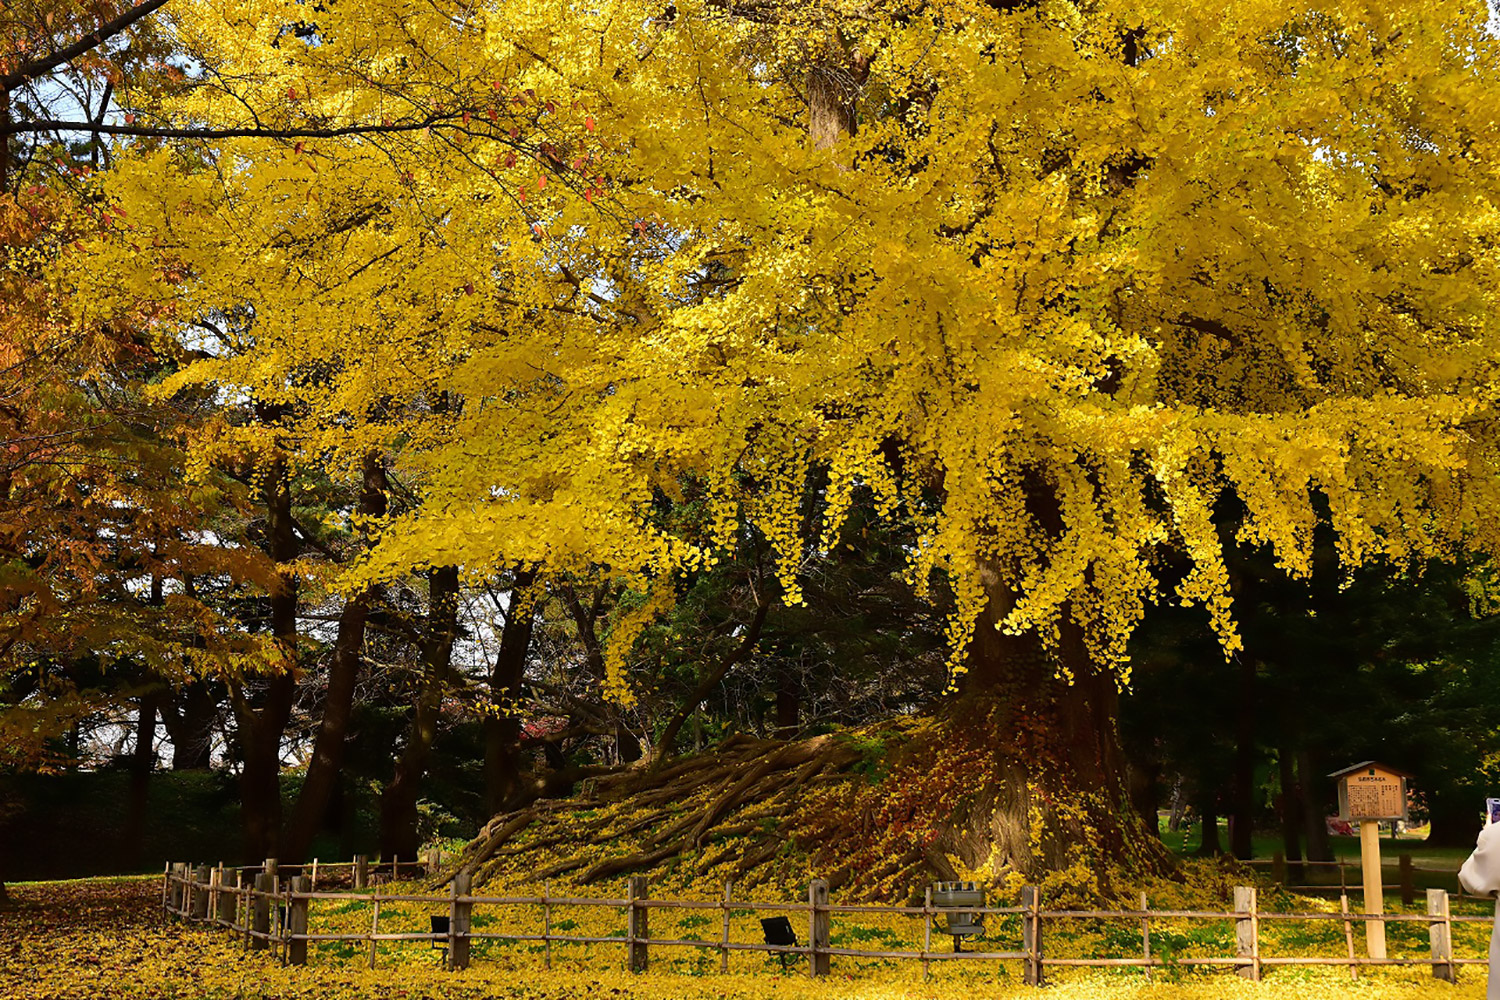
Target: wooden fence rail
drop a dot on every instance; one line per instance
(268, 911)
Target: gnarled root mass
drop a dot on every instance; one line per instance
(878, 811)
(718, 808)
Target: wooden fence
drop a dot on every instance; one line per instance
(268, 910)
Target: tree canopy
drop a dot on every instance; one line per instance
(1052, 280)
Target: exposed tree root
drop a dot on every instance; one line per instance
(877, 812)
(747, 787)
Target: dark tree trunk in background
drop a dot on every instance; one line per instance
(333, 727)
(627, 747)
(338, 703)
(502, 733)
(1291, 806)
(788, 703)
(190, 716)
(1316, 798)
(666, 744)
(262, 715)
(1242, 829)
(1145, 795)
(1456, 817)
(261, 730)
(399, 833)
(142, 763)
(1208, 818)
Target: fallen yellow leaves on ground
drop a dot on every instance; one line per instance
(108, 938)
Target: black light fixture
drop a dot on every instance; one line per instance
(778, 931)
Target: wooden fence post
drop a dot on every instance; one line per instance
(166, 887)
(637, 931)
(1146, 936)
(1348, 934)
(179, 869)
(1278, 868)
(434, 860)
(374, 925)
(296, 948)
(1031, 933)
(260, 910)
(314, 876)
(229, 911)
(1440, 935)
(547, 924)
(1246, 932)
(169, 890)
(1408, 885)
(200, 892)
(927, 934)
(361, 871)
(817, 928)
(460, 913)
(272, 867)
(724, 945)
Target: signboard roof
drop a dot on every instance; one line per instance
(1365, 765)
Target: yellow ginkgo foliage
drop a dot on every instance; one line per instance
(1086, 290)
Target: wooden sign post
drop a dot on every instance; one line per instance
(1368, 793)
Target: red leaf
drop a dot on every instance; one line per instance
(588, 123)
(291, 93)
(541, 182)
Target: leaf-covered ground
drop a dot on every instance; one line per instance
(107, 938)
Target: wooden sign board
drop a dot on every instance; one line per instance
(1372, 791)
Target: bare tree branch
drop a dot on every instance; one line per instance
(29, 71)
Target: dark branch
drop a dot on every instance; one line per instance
(168, 132)
(27, 72)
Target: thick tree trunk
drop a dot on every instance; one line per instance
(1057, 794)
(338, 702)
(1242, 827)
(399, 835)
(1291, 806)
(1315, 800)
(502, 733)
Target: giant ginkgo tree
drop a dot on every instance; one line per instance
(1088, 291)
